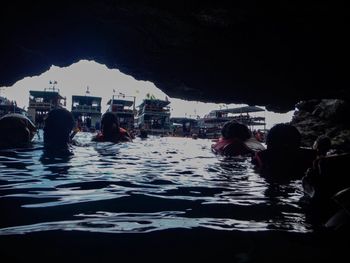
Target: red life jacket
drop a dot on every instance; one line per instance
(231, 147)
(123, 136)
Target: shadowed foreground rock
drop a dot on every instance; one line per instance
(324, 117)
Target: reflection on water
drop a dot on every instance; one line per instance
(147, 185)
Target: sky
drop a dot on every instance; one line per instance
(103, 82)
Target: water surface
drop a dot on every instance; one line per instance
(160, 183)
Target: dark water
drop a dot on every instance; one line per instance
(154, 190)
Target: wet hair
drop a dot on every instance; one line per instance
(109, 119)
(322, 144)
(284, 136)
(236, 130)
(109, 125)
(58, 126)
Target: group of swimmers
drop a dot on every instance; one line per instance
(17, 130)
(323, 172)
(282, 158)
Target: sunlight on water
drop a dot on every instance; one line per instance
(148, 185)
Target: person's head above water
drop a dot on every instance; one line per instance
(110, 130)
(109, 126)
(16, 130)
(58, 126)
(235, 130)
(283, 136)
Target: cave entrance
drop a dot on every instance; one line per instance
(88, 78)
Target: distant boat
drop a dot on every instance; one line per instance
(154, 116)
(86, 111)
(124, 109)
(42, 102)
(212, 123)
(183, 126)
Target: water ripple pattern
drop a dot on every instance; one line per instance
(147, 185)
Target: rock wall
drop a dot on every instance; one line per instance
(324, 117)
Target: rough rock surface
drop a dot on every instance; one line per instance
(324, 117)
(272, 53)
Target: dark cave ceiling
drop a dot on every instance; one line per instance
(256, 52)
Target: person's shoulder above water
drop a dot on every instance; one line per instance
(253, 144)
(124, 137)
(143, 134)
(327, 176)
(230, 147)
(16, 130)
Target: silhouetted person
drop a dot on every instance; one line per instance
(58, 127)
(236, 140)
(110, 130)
(340, 221)
(259, 136)
(327, 175)
(143, 134)
(322, 145)
(283, 158)
(88, 123)
(16, 130)
(97, 126)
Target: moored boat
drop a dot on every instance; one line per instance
(183, 126)
(153, 116)
(42, 102)
(211, 124)
(87, 111)
(124, 109)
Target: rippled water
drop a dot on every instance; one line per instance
(140, 187)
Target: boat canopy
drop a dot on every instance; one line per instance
(127, 103)
(216, 120)
(86, 100)
(45, 94)
(245, 109)
(154, 102)
(182, 120)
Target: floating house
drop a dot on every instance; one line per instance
(41, 102)
(154, 116)
(212, 123)
(124, 109)
(86, 111)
